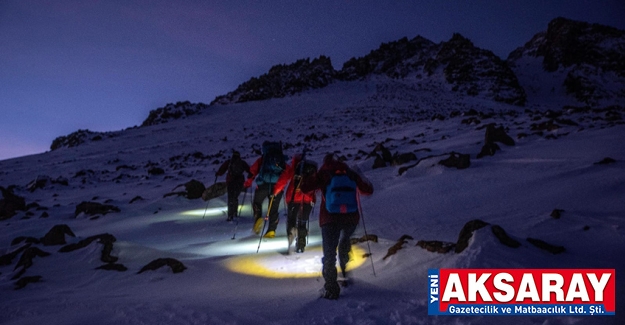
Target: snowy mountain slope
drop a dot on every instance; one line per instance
(552, 166)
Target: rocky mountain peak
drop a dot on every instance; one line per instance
(466, 68)
(283, 80)
(590, 58)
(394, 59)
(77, 138)
(475, 71)
(173, 112)
(567, 43)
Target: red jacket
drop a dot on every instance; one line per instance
(321, 180)
(288, 177)
(254, 170)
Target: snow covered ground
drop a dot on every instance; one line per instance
(227, 282)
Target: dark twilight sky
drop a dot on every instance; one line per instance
(103, 65)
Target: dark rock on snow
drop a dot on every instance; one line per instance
(42, 181)
(105, 239)
(493, 135)
(556, 213)
(436, 246)
(365, 238)
(113, 267)
(553, 249)
(504, 238)
(26, 260)
(10, 203)
(456, 160)
(24, 281)
(24, 239)
(56, 235)
(467, 232)
(606, 161)
(399, 245)
(94, 208)
(7, 259)
(175, 265)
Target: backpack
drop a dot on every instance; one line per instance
(273, 163)
(309, 168)
(341, 194)
(236, 168)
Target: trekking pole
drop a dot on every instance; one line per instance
(206, 209)
(362, 216)
(207, 203)
(286, 208)
(236, 225)
(265, 223)
(312, 212)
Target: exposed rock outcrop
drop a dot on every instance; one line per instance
(456, 160)
(172, 112)
(283, 80)
(10, 203)
(466, 68)
(56, 235)
(553, 249)
(94, 208)
(175, 265)
(77, 138)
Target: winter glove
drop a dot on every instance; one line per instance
(248, 183)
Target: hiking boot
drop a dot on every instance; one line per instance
(258, 225)
(289, 239)
(291, 236)
(330, 291)
(270, 234)
(301, 244)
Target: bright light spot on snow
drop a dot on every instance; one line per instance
(210, 212)
(249, 245)
(304, 265)
(214, 212)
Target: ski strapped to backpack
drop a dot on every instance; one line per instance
(341, 194)
(273, 163)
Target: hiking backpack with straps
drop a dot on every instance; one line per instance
(236, 167)
(341, 194)
(309, 168)
(273, 163)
